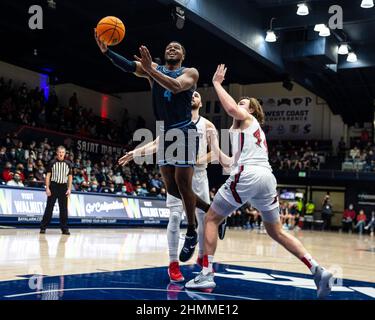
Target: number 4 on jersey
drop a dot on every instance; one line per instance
(257, 135)
(168, 95)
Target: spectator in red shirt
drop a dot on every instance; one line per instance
(361, 221)
(129, 186)
(348, 218)
(7, 173)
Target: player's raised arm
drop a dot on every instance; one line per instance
(147, 149)
(121, 62)
(184, 82)
(226, 100)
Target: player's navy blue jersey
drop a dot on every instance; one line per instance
(173, 109)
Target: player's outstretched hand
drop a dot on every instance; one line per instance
(145, 59)
(102, 46)
(219, 75)
(124, 160)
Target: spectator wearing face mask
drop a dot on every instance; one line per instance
(12, 155)
(141, 190)
(40, 174)
(103, 187)
(102, 176)
(94, 186)
(32, 182)
(20, 170)
(20, 152)
(156, 182)
(348, 218)
(77, 177)
(118, 179)
(88, 167)
(29, 169)
(122, 192)
(15, 181)
(112, 188)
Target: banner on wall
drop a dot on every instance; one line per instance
(70, 141)
(31, 203)
(288, 117)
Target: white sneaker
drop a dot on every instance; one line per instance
(323, 280)
(202, 281)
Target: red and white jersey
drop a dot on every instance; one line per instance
(249, 147)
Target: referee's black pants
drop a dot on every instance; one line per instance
(58, 191)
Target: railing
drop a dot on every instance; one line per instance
(326, 174)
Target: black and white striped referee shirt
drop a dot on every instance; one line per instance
(60, 170)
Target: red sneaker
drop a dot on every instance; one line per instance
(174, 272)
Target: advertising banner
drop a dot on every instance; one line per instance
(29, 204)
(288, 117)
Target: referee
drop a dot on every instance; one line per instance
(58, 186)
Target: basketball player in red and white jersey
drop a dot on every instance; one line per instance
(199, 184)
(252, 181)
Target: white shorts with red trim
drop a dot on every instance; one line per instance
(253, 184)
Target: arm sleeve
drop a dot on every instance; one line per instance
(121, 62)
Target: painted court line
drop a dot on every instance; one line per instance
(130, 289)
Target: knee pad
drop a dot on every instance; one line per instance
(175, 218)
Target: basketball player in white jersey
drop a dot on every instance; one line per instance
(251, 180)
(200, 187)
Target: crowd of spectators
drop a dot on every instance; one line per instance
(32, 107)
(25, 165)
(360, 157)
(298, 155)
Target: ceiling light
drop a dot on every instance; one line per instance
(271, 36)
(303, 9)
(343, 49)
(352, 57)
(325, 32)
(367, 4)
(319, 27)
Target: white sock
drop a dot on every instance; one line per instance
(207, 264)
(310, 263)
(200, 217)
(173, 231)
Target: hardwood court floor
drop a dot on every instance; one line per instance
(25, 252)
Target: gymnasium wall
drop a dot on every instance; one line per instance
(104, 105)
(20, 75)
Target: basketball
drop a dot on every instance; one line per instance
(110, 30)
